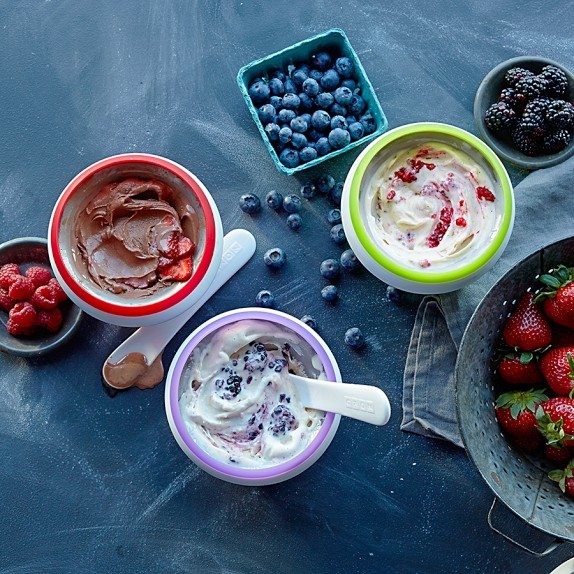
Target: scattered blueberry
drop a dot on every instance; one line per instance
(275, 258)
(294, 221)
(285, 135)
(306, 101)
(290, 87)
(266, 114)
(322, 146)
(265, 299)
(338, 234)
(348, 83)
(299, 76)
(369, 124)
(356, 131)
(330, 80)
(343, 96)
(334, 216)
(324, 100)
(357, 105)
(315, 74)
(336, 193)
(299, 125)
(338, 122)
(308, 190)
(325, 183)
(249, 203)
(338, 110)
(344, 67)
(349, 260)
(320, 120)
(330, 293)
(289, 158)
(354, 338)
(298, 141)
(338, 138)
(285, 116)
(274, 200)
(309, 321)
(259, 91)
(292, 203)
(393, 294)
(311, 87)
(272, 131)
(330, 269)
(291, 101)
(321, 60)
(308, 154)
(276, 87)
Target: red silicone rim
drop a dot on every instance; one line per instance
(149, 308)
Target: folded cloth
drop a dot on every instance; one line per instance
(544, 214)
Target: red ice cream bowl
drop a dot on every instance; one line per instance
(67, 261)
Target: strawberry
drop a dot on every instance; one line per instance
(175, 246)
(558, 454)
(557, 366)
(555, 420)
(515, 412)
(562, 337)
(519, 369)
(528, 443)
(564, 478)
(527, 329)
(38, 275)
(177, 270)
(558, 296)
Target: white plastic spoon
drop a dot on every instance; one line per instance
(150, 341)
(362, 402)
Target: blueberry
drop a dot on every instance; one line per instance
(325, 184)
(290, 87)
(311, 87)
(305, 67)
(330, 269)
(306, 102)
(308, 190)
(307, 154)
(276, 87)
(292, 203)
(354, 338)
(307, 118)
(266, 114)
(274, 200)
(272, 131)
(265, 299)
(320, 120)
(350, 120)
(368, 122)
(299, 125)
(285, 116)
(338, 234)
(356, 131)
(338, 122)
(259, 91)
(313, 135)
(298, 77)
(322, 146)
(249, 203)
(349, 260)
(285, 135)
(343, 96)
(279, 75)
(315, 74)
(291, 101)
(321, 60)
(298, 141)
(357, 105)
(324, 100)
(330, 80)
(344, 67)
(294, 221)
(334, 216)
(275, 258)
(289, 158)
(336, 193)
(338, 138)
(348, 83)
(393, 294)
(309, 321)
(330, 293)
(338, 110)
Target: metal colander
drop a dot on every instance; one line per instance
(519, 481)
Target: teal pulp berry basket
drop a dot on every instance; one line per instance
(334, 40)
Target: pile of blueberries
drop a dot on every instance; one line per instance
(310, 110)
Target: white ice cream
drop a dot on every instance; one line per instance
(237, 402)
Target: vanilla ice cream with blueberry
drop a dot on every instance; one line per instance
(433, 206)
(236, 399)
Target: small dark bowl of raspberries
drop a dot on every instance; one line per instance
(524, 110)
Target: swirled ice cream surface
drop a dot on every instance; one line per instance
(237, 402)
(433, 206)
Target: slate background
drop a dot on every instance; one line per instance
(90, 484)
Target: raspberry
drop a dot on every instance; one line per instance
(6, 302)
(44, 298)
(21, 288)
(16, 330)
(22, 316)
(50, 320)
(58, 291)
(38, 275)
(8, 273)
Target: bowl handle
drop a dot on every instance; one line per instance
(557, 541)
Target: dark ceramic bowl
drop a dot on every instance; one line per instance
(28, 251)
(488, 93)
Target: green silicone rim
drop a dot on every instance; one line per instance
(371, 247)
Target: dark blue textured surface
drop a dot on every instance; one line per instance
(90, 484)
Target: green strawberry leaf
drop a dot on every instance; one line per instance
(525, 358)
(550, 280)
(556, 475)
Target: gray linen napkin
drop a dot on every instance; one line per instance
(544, 214)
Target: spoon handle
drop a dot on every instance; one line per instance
(365, 403)
(238, 248)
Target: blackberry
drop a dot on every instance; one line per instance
(513, 99)
(255, 358)
(556, 80)
(499, 117)
(556, 141)
(230, 387)
(525, 142)
(531, 86)
(560, 114)
(516, 74)
(534, 117)
(282, 420)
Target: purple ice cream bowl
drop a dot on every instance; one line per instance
(232, 472)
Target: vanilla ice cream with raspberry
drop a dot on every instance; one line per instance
(236, 400)
(433, 206)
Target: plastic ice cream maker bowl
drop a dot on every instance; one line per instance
(372, 254)
(167, 302)
(225, 470)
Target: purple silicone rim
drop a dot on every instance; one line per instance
(224, 468)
